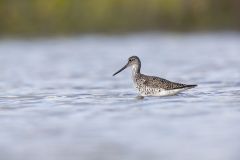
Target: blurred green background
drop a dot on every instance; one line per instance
(54, 17)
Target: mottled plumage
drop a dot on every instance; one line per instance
(150, 85)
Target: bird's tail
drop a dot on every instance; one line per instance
(190, 86)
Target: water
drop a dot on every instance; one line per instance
(59, 101)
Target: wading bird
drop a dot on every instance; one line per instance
(151, 85)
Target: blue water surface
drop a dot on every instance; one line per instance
(59, 101)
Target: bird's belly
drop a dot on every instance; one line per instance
(147, 91)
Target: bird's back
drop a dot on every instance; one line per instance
(155, 86)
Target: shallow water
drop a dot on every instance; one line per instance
(59, 101)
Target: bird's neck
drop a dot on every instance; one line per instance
(136, 69)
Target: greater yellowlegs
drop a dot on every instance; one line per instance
(150, 85)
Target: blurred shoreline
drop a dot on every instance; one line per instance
(61, 17)
(11, 37)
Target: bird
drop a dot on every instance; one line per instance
(151, 85)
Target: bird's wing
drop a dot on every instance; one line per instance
(156, 82)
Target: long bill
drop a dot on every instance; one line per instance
(121, 70)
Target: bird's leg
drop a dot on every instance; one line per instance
(139, 97)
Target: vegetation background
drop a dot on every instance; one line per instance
(53, 17)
